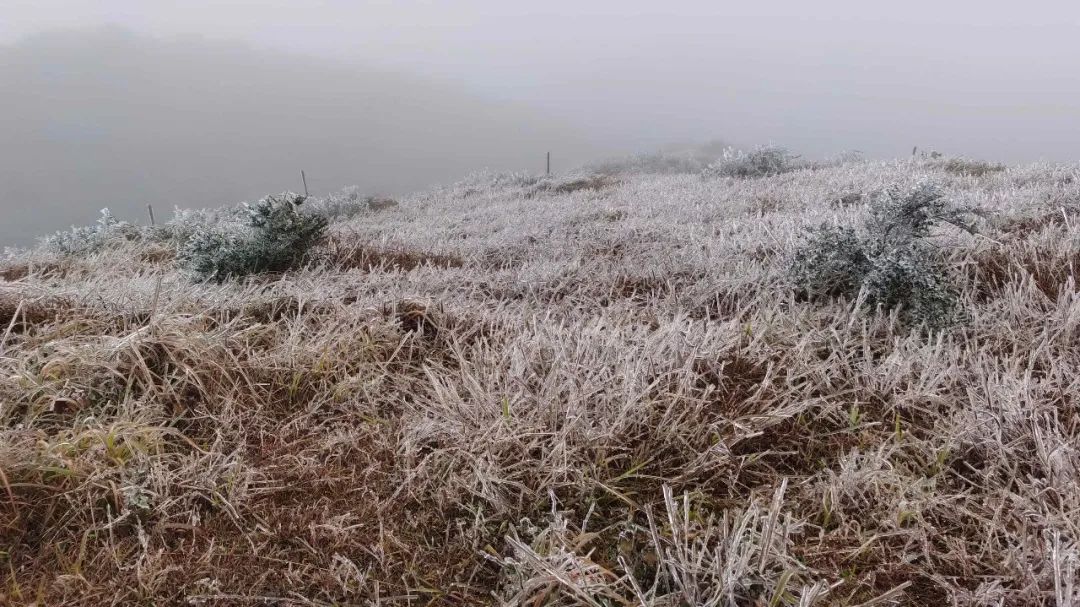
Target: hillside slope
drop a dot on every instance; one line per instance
(498, 393)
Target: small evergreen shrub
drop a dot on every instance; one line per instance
(273, 237)
(83, 240)
(901, 217)
(833, 261)
(912, 280)
(889, 262)
(762, 162)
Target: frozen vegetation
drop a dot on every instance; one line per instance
(667, 382)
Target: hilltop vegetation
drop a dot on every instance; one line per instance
(845, 383)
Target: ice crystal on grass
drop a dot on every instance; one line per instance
(82, 240)
(761, 162)
(186, 223)
(484, 398)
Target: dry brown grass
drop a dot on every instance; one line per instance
(970, 168)
(354, 255)
(632, 410)
(569, 185)
(43, 269)
(378, 203)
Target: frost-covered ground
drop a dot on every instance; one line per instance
(599, 392)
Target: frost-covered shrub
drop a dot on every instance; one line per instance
(833, 261)
(82, 240)
(899, 216)
(188, 222)
(761, 162)
(889, 262)
(845, 157)
(913, 280)
(273, 236)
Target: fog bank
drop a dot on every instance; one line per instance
(109, 118)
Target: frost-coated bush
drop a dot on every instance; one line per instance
(82, 240)
(186, 223)
(833, 261)
(913, 280)
(273, 236)
(900, 216)
(761, 162)
(889, 263)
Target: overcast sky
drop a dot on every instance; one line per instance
(992, 80)
(982, 78)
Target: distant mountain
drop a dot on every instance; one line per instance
(110, 118)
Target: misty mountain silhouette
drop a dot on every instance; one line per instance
(106, 117)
